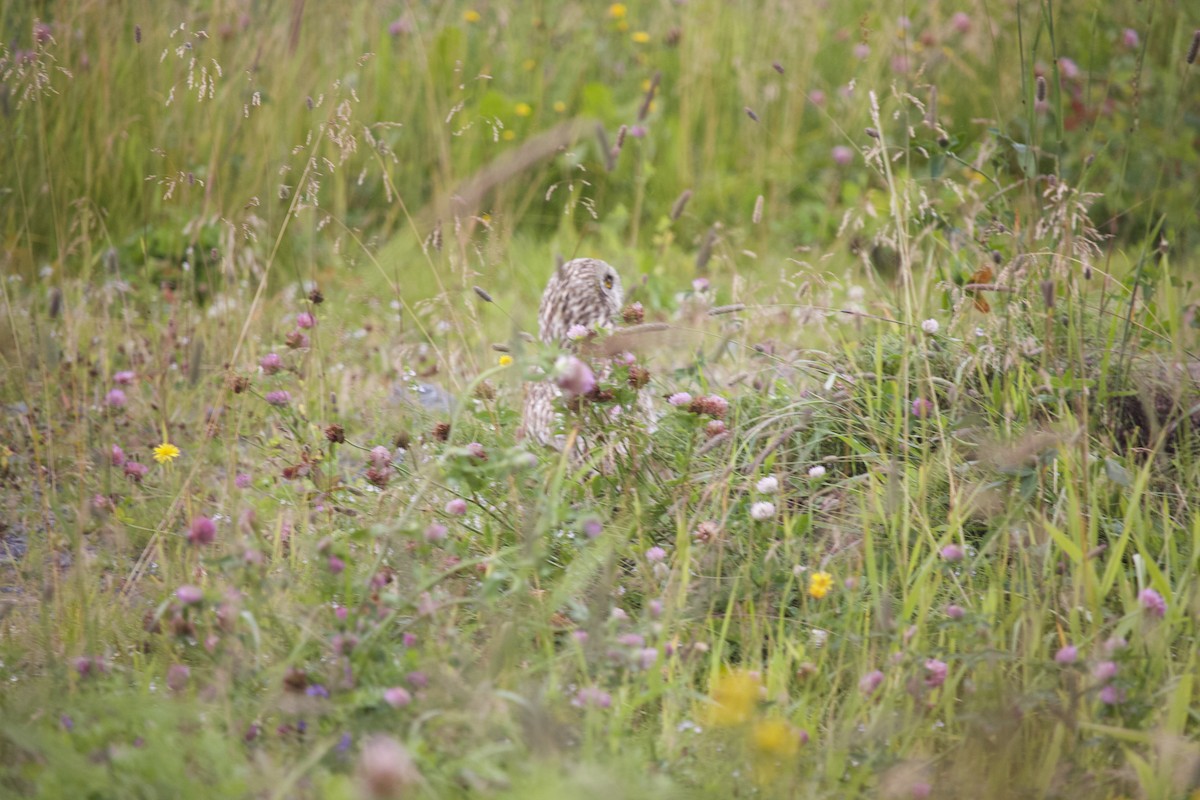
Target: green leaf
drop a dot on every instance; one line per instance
(1117, 473)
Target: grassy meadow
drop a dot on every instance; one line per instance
(912, 290)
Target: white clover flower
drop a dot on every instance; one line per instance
(930, 326)
(762, 510)
(768, 485)
(816, 472)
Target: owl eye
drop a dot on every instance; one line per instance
(608, 282)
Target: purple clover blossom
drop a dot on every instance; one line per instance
(935, 672)
(189, 595)
(1152, 603)
(305, 320)
(115, 398)
(868, 684)
(1066, 654)
(573, 376)
(456, 507)
(278, 398)
(124, 378)
(655, 554)
(680, 399)
(202, 531)
(952, 553)
(592, 697)
(270, 363)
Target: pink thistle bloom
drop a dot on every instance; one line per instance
(592, 528)
(456, 507)
(305, 320)
(955, 611)
(278, 398)
(189, 595)
(1153, 603)
(921, 408)
(700, 285)
(655, 555)
(336, 565)
(202, 531)
(270, 363)
(715, 427)
(637, 131)
(592, 697)
(1066, 654)
(680, 399)
(115, 398)
(117, 455)
(1105, 671)
(397, 697)
(409, 639)
(869, 683)
(1129, 38)
(935, 672)
(573, 376)
(135, 471)
(380, 457)
(952, 553)
(961, 22)
(1112, 695)
(124, 378)
(842, 155)
(435, 533)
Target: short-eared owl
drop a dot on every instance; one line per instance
(585, 292)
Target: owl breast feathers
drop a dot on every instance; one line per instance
(585, 292)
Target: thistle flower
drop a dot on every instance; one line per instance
(1105, 671)
(116, 455)
(868, 684)
(952, 553)
(270, 363)
(278, 398)
(124, 378)
(115, 398)
(135, 471)
(935, 672)
(1066, 654)
(1112, 695)
(202, 531)
(842, 155)
(955, 611)
(1152, 603)
(305, 320)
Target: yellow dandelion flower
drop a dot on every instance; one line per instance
(734, 695)
(523, 109)
(506, 361)
(819, 584)
(471, 15)
(617, 11)
(165, 453)
(640, 37)
(508, 136)
(776, 738)
(560, 106)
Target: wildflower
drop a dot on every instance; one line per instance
(397, 697)
(399, 27)
(278, 398)
(305, 320)
(1066, 654)
(700, 285)
(655, 555)
(165, 453)
(952, 553)
(640, 37)
(297, 340)
(117, 455)
(762, 510)
(409, 639)
(385, 767)
(637, 131)
(523, 109)
(242, 480)
(1068, 69)
(135, 471)
(921, 408)
(819, 584)
(1105, 671)
(680, 399)
(1129, 38)
(506, 361)
(1113, 644)
(1152, 602)
(380, 457)
(734, 695)
(961, 22)
(189, 595)
(776, 738)
(124, 378)
(955, 611)
(177, 677)
(270, 363)
(592, 697)
(317, 690)
(930, 326)
(592, 528)
(417, 679)
(456, 507)
(646, 657)
(711, 405)
(842, 155)
(336, 565)
(471, 15)
(436, 532)
(817, 97)
(617, 11)
(560, 107)
(715, 427)
(577, 332)
(655, 607)
(573, 376)
(477, 451)
(202, 531)
(861, 51)
(869, 683)
(935, 672)
(115, 398)
(817, 471)
(1112, 695)
(768, 485)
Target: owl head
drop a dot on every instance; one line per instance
(584, 291)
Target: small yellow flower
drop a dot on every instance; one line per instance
(640, 37)
(617, 11)
(505, 361)
(471, 15)
(508, 136)
(622, 26)
(528, 64)
(734, 696)
(165, 453)
(560, 106)
(774, 737)
(819, 584)
(523, 109)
